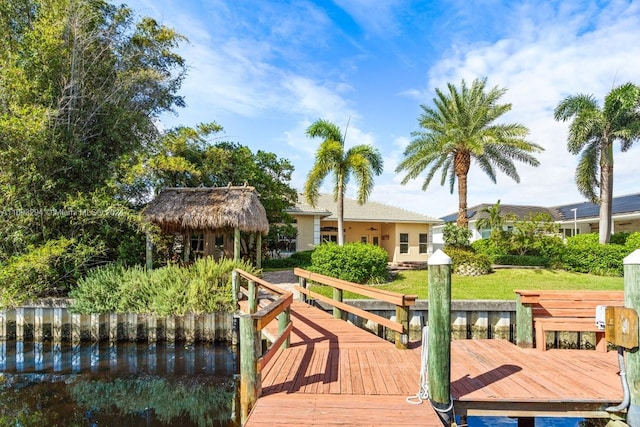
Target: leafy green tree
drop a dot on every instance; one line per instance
(81, 85)
(455, 236)
(592, 133)
(363, 161)
(461, 128)
(528, 232)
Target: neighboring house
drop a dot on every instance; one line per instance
(575, 218)
(405, 235)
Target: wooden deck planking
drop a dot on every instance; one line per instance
(308, 383)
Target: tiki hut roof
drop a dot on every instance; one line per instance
(208, 209)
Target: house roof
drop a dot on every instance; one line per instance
(621, 205)
(520, 211)
(368, 212)
(207, 209)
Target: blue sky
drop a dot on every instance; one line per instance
(265, 70)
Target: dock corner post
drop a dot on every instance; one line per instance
(250, 381)
(524, 324)
(632, 300)
(337, 296)
(253, 297)
(402, 317)
(283, 321)
(303, 284)
(439, 348)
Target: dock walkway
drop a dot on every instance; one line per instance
(337, 374)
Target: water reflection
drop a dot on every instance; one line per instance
(117, 385)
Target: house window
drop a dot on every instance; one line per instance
(327, 238)
(404, 243)
(363, 239)
(424, 243)
(376, 241)
(485, 233)
(197, 246)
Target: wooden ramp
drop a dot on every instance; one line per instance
(337, 374)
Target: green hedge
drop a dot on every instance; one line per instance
(521, 260)
(204, 287)
(354, 262)
(584, 254)
(300, 259)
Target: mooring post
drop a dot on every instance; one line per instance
(439, 347)
(250, 351)
(524, 324)
(337, 296)
(402, 317)
(253, 297)
(632, 300)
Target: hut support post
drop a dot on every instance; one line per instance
(439, 347)
(236, 244)
(259, 250)
(524, 324)
(632, 300)
(149, 252)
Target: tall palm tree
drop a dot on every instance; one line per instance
(592, 134)
(363, 161)
(461, 128)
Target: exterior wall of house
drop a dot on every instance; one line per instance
(306, 232)
(409, 250)
(385, 235)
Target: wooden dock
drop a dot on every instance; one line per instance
(337, 374)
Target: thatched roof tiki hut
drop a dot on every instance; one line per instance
(206, 218)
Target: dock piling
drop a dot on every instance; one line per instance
(632, 300)
(439, 351)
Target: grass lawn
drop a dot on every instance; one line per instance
(498, 285)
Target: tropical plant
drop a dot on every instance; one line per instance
(592, 133)
(455, 236)
(363, 161)
(354, 262)
(462, 127)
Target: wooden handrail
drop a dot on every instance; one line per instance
(401, 301)
(252, 359)
(388, 296)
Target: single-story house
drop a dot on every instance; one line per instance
(574, 218)
(405, 235)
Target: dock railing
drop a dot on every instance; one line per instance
(401, 301)
(252, 322)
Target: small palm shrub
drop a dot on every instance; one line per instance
(353, 262)
(467, 263)
(205, 286)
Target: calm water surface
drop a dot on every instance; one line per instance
(130, 385)
(138, 385)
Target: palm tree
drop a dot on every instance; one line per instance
(493, 221)
(592, 134)
(363, 161)
(461, 128)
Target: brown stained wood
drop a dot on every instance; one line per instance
(379, 294)
(335, 373)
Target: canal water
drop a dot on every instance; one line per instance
(125, 385)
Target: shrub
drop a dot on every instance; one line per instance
(300, 259)
(633, 242)
(619, 238)
(205, 286)
(43, 271)
(522, 260)
(468, 263)
(455, 237)
(585, 254)
(354, 262)
(487, 247)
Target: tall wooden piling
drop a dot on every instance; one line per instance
(250, 351)
(632, 300)
(439, 350)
